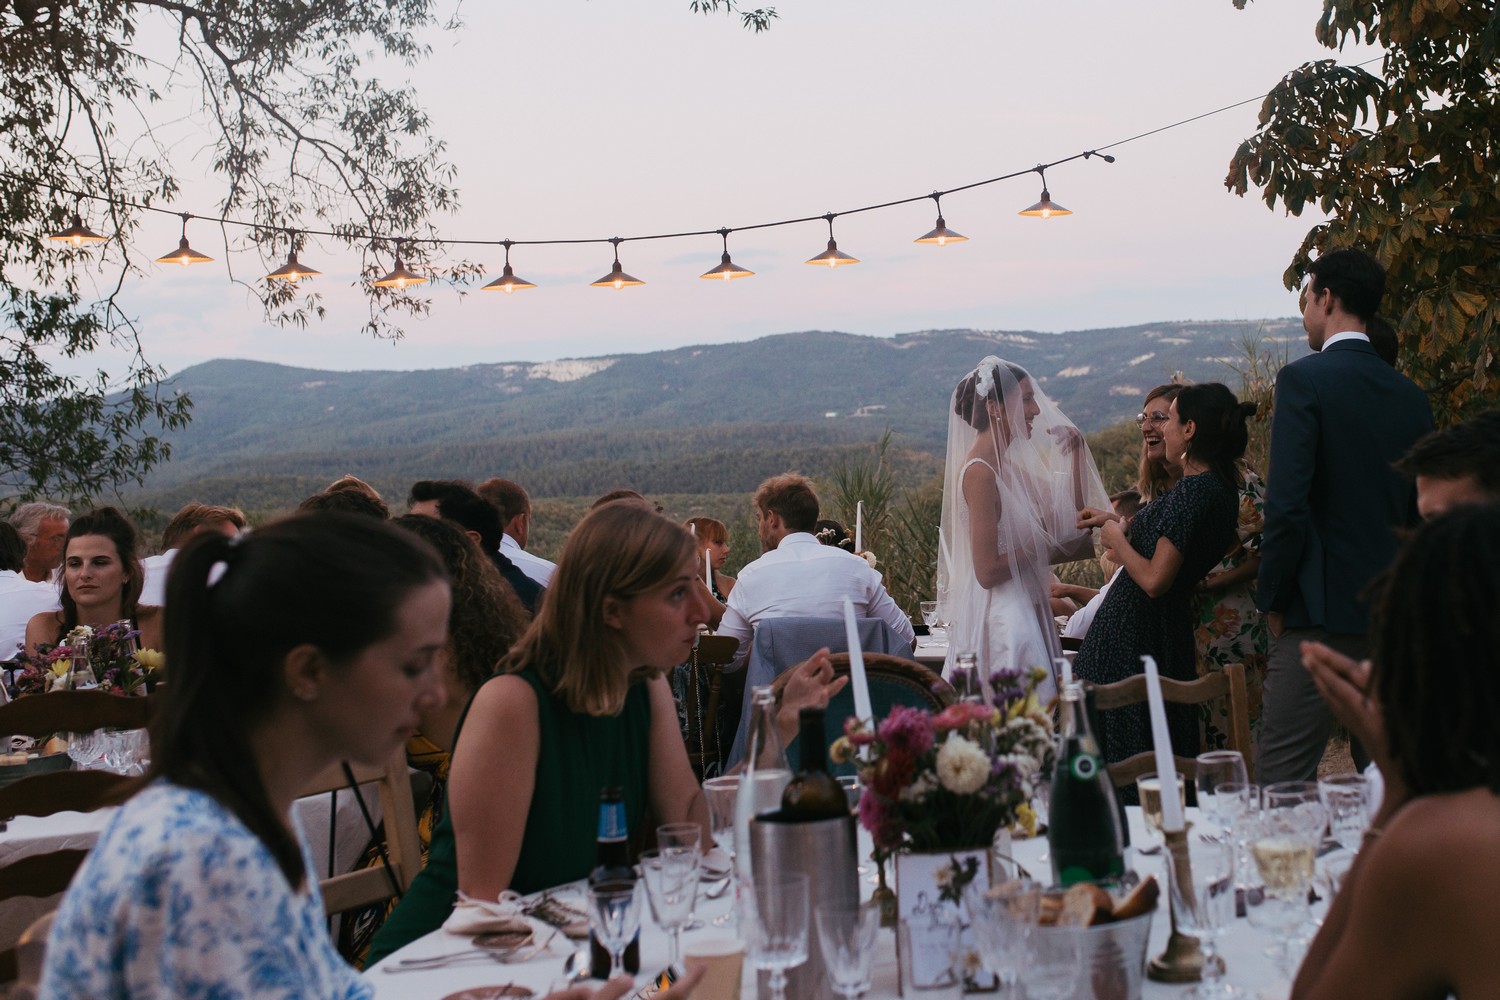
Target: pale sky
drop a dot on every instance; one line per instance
(597, 118)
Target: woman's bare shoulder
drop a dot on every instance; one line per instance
(1421, 841)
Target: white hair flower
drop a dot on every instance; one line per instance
(962, 766)
(985, 384)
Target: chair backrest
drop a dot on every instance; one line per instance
(403, 849)
(1228, 683)
(781, 643)
(708, 691)
(25, 962)
(74, 711)
(893, 681)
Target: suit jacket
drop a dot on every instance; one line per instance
(1334, 504)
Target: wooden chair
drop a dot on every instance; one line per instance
(1228, 683)
(31, 956)
(350, 890)
(707, 743)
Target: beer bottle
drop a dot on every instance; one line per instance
(612, 864)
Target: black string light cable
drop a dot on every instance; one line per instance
(400, 277)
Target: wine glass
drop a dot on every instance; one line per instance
(1347, 799)
(1003, 919)
(1215, 768)
(929, 614)
(775, 927)
(671, 877)
(1204, 905)
(1148, 787)
(1239, 805)
(615, 917)
(1285, 849)
(846, 935)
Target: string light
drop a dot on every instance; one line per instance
(941, 235)
(617, 278)
(507, 282)
(833, 256)
(399, 276)
(1046, 208)
(78, 234)
(291, 270)
(727, 270)
(184, 254)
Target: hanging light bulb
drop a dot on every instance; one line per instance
(77, 234)
(727, 270)
(399, 276)
(832, 257)
(291, 270)
(507, 282)
(184, 254)
(616, 278)
(1047, 208)
(941, 235)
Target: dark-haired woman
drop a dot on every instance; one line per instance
(101, 583)
(1414, 916)
(1173, 542)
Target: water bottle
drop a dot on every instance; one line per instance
(765, 776)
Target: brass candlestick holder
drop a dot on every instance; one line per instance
(1182, 960)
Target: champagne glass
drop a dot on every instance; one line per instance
(1204, 905)
(1215, 768)
(1148, 787)
(846, 935)
(1003, 919)
(775, 927)
(671, 877)
(1347, 799)
(615, 917)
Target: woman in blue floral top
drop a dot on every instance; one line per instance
(311, 641)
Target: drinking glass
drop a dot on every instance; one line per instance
(1054, 963)
(671, 877)
(1148, 787)
(722, 794)
(1238, 803)
(852, 790)
(83, 748)
(929, 614)
(1285, 849)
(615, 917)
(1003, 919)
(1347, 799)
(1204, 905)
(775, 927)
(1215, 768)
(683, 837)
(847, 937)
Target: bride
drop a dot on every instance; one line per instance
(1017, 474)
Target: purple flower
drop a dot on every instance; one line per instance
(907, 729)
(1006, 683)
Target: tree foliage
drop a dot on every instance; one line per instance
(1407, 164)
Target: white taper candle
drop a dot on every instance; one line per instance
(1166, 768)
(856, 665)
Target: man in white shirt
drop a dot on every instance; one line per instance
(798, 575)
(20, 598)
(187, 522)
(514, 505)
(44, 528)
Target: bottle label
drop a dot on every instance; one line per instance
(1084, 766)
(612, 821)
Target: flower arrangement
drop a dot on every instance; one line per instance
(118, 667)
(949, 780)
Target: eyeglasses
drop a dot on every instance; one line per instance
(1154, 419)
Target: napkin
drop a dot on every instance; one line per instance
(472, 916)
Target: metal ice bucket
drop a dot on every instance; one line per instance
(1113, 957)
(824, 851)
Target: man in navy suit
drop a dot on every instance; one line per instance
(1334, 503)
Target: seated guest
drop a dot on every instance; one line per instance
(581, 703)
(20, 599)
(457, 501)
(312, 641)
(42, 527)
(187, 522)
(713, 540)
(514, 505)
(1125, 504)
(351, 495)
(798, 576)
(1456, 465)
(1415, 911)
(101, 583)
(831, 532)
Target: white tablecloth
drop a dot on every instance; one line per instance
(1243, 948)
(29, 835)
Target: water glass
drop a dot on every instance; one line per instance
(775, 927)
(83, 748)
(1203, 907)
(615, 918)
(846, 935)
(1054, 963)
(1215, 768)
(1347, 799)
(671, 877)
(722, 794)
(1003, 920)
(1238, 803)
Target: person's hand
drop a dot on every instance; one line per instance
(1345, 686)
(1112, 537)
(1068, 438)
(622, 985)
(1276, 622)
(810, 684)
(1213, 581)
(1093, 517)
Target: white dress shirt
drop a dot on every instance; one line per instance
(802, 576)
(535, 567)
(154, 589)
(19, 600)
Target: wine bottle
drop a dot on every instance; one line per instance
(766, 774)
(1084, 835)
(813, 793)
(612, 864)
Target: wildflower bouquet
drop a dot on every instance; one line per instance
(118, 667)
(948, 781)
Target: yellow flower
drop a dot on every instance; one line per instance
(1026, 818)
(150, 660)
(841, 752)
(60, 667)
